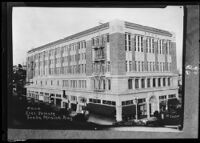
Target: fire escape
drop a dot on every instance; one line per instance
(99, 63)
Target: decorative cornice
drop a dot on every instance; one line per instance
(88, 31)
(147, 29)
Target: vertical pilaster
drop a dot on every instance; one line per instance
(156, 54)
(89, 58)
(147, 104)
(133, 83)
(118, 55)
(133, 46)
(173, 55)
(145, 52)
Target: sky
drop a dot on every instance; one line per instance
(36, 26)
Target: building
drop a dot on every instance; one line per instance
(119, 69)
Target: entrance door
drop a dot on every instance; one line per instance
(58, 102)
(73, 106)
(152, 105)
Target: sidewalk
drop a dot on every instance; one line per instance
(145, 129)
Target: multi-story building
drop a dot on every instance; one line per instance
(119, 69)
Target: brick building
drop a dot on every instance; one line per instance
(118, 69)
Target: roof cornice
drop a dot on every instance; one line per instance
(147, 29)
(88, 31)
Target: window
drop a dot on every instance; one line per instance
(141, 43)
(129, 83)
(136, 83)
(109, 84)
(107, 37)
(154, 82)
(130, 65)
(127, 42)
(171, 95)
(94, 100)
(128, 102)
(109, 102)
(51, 82)
(138, 42)
(138, 65)
(142, 66)
(150, 44)
(169, 81)
(142, 83)
(135, 43)
(108, 66)
(159, 82)
(163, 81)
(148, 82)
(153, 50)
(126, 66)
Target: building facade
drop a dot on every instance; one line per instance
(118, 69)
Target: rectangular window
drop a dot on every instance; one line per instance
(169, 81)
(107, 37)
(138, 65)
(163, 81)
(142, 66)
(148, 82)
(136, 83)
(138, 42)
(109, 84)
(154, 82)
(153, 50)
(135, 43)
(126, 66)
(142, 83)
(130, 65)
(159, 82)
(141, 43)
(129, 83)
(129, 41)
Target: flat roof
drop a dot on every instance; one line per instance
(106, 25)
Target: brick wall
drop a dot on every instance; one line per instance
(89, 58)
(117, 54)
(173, 55)
(133, 51)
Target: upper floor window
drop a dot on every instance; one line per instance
(127, 41)
(154, 82)
(159, 82)
(141, 43)
(109, 84)
(142, 83)
(169, 81)
(129, 83)
(136, 83)
(148, 82)
(130, 65)
(107, 38)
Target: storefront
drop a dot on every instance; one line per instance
(101, 109)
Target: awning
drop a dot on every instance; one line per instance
(101, 109)
(129, 110)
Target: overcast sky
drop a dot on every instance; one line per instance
(33, 27)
